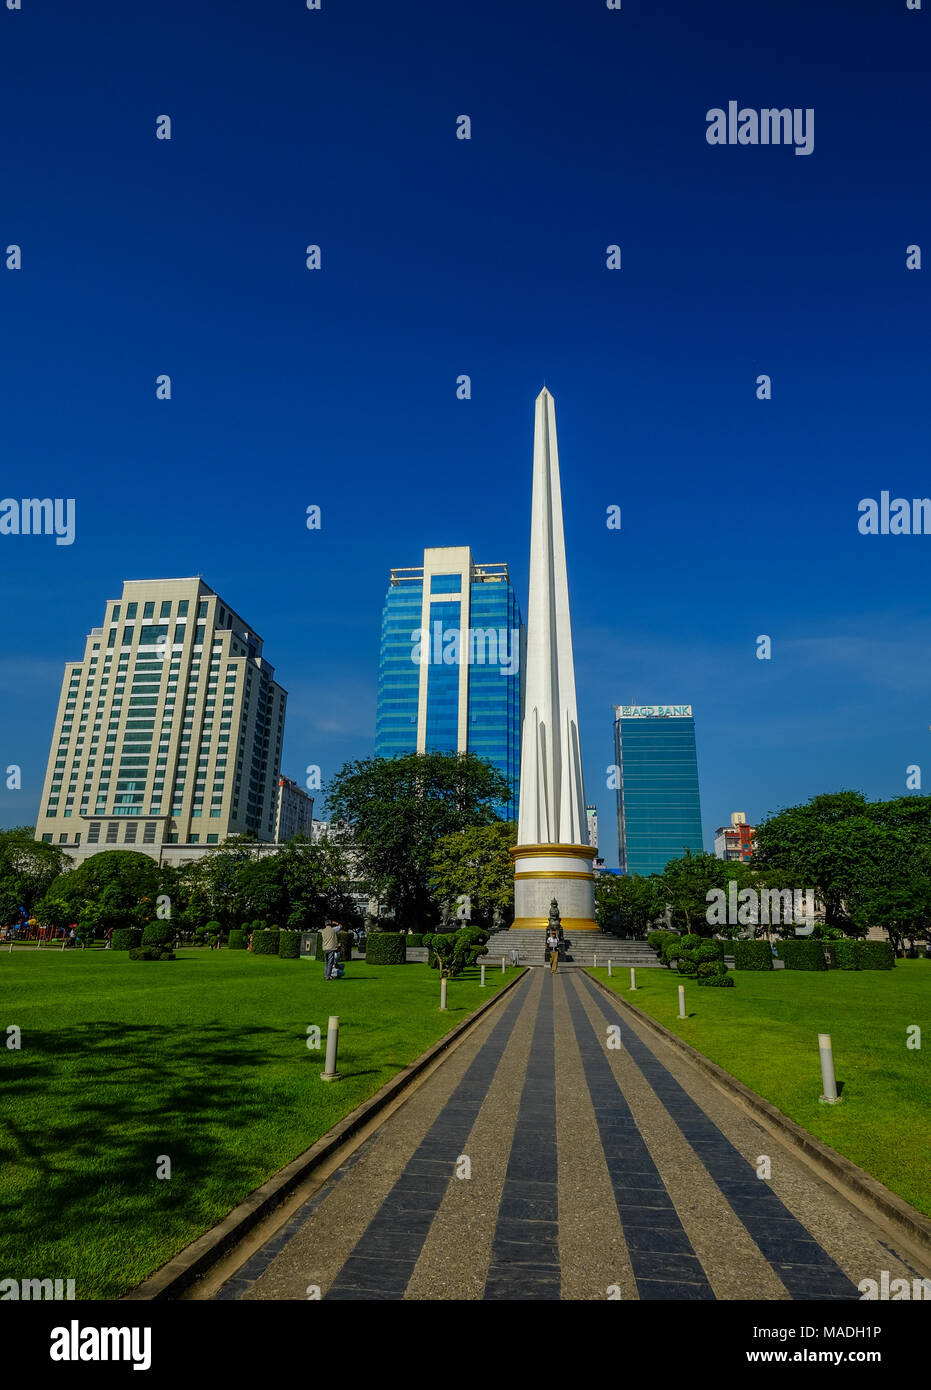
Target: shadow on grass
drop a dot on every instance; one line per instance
(128, 1093)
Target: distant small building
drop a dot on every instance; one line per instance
(295, 811)
(737, 840)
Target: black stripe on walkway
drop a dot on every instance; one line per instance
(525, 1249)
(664, 1263)
(806, 1270)
(384, 1257)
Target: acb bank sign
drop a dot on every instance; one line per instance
(653, 711)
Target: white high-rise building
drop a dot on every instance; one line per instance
(552, 858)
(169, 727)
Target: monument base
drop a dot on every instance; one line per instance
(563, 872)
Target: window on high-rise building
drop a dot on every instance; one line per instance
(131, 610)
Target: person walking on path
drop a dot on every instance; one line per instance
(552, 942)
(329, 944)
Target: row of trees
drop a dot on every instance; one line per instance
(867, 862)
(421, 834)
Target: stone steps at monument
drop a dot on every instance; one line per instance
(583, 949)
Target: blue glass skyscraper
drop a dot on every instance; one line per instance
(450, 677)
(658, 810)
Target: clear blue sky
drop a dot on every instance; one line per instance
(484, 257)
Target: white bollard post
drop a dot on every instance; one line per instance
(682, 1001)
(442, 991)
(63, 940)
(830, 1096)
(332, 1045)
(633, 978)
(502, 965)
(609, 967)
(11, 945)
(483, 977)
(595, 958)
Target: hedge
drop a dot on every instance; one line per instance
(124, 938)
(752, 955)
(843, 955)
(415, 939)
(386, 948)
(158, 934)
(289, 945)
(151, 953)
(802, 955)
(239, 939)
(265, 943)
(875, 955)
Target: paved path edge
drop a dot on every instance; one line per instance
(191, 1263)
(851, 1179)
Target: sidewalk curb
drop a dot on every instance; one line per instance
(191, 1263)
(846, 1175)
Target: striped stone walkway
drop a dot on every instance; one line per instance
(537, 1163)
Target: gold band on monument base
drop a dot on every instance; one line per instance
(541, 851)
(568, 923)
(554, 873)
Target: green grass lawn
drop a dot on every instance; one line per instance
(765, 1030)
(204, 1059)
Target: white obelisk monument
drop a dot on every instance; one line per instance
(551, 858)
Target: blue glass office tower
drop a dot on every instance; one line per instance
(450, 677)
(658, 811)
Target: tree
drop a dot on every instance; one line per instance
(870, 862)
(398, 809)
(116, 888)
(28, 868)
(628, 904)
(685, 886)
(475, 864)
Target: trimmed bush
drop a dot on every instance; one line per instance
(415, 938)
(345, 940)
(265, 943)
(239, 939)
(753, 955)
(658, 941)
(875, 955)
(150, 953)
(158, 934)
(720, 979)
(289, 945)
(843, 955)
(124, 939)
(802, 955)
(386, 948)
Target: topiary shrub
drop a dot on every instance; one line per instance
(289, 945)
(843, 955)
(124, 938)
(415, 938)
(698, 956)
(802, 955)
(345, 941)
(875, 955)
(239, 939)
(753, 955)
(158, 934)
(470, 944)
(659, 940)
(719, 977)
(265, 943)
(386, 948)
(150, 953)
